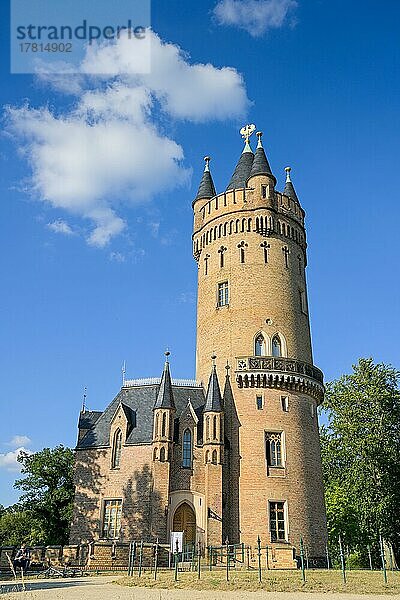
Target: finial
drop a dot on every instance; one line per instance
(288, 169)
(167, 354)
(214, 358)
(84, 399)
(207, 161)
(259, 134)
(246, 132)
(227, 367)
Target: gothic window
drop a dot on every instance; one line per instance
(214, 427)
(214, 457)
(164, 425)
(286, 253)
(276, 346)
(156, 425)
(242, 247)
(207, 428)
(273, 449)
(116, 450)
(207, 456)
(265, 246)
(222, 251)
(223, 294)
(155, 454)
(259, 346)
(259, 402)
(111, 526)
(277, 525)
(187, 449)
(265, 191)
(162, 455)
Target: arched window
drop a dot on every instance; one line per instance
(215, 427)
(259, 346)
(214, 457)
(276, 346)
(156, 425)
(164, 425)
(207, 456)
(274, 449)
(187, 449)
(162, 455)
(207, 428)
(155, 454)
(117, 448)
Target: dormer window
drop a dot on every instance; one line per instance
(116, 450)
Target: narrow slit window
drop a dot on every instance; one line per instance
(187, 449)
(117, 449)
(259, 402)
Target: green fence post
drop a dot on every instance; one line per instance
(369, 557)
(243, 553)
(141, 558)
(303, 572)
(383, 558)
(198, 560)
(227, 559)
(248, 557)
(259, 559)
(176, 560)
(342, 559)
(156, 560)
(266, 557)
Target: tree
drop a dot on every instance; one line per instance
(18, 526)
(361, 454)
(48, 491)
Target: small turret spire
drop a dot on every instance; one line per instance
(289, 187)
(206, 187)
(260, 164)
(165, 396)
(214, 398)
(243, 167)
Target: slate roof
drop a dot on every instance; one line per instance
(206, 187)
(260, 164)
(290, 191)
(243, 169)
(214, 398)
(88, 418)
(140, 400)
(165, 396)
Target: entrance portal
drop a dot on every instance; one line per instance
(185, 520)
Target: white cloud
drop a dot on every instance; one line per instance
(60, 226)
(117, 257)
(9, 461)
(254, 16)
(19, 440)
(112, 147)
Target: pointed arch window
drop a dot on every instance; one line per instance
(259, 347)
(276, 346)
(117, 449)
(187, 449)
(164, 425)
(274, 449)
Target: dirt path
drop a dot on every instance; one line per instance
(103, 589)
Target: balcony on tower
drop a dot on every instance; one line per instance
(280, 373)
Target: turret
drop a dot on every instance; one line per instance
(261, 171)
(289, 187)
(245, 163)
(164, 411)
(213, 420)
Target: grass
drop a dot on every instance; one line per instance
(360, 582)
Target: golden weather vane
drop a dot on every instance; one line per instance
(247, 131)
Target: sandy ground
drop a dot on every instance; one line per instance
(103, 589)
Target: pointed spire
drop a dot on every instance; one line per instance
(260, 164)
(206, 187)
(165, 396)
(289, 187)
(243, 168)
(214, 398)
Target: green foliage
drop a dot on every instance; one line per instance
(18, 526)
(361, 455)
(48, 493)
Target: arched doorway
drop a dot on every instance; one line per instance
(185, 520)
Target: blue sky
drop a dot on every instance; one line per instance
(322, 81)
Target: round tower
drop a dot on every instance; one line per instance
(252, 312)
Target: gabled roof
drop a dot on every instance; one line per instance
(213, 398)
(242, 170)
(140, 400)
(165, 396)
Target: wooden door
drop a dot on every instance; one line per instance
(185, 520)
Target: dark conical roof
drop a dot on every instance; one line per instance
(214, 398)
(206, 187)
(260, 164)
(243, 168)
(289, 187)
(165, 396)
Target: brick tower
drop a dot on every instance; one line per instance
(250, 245)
